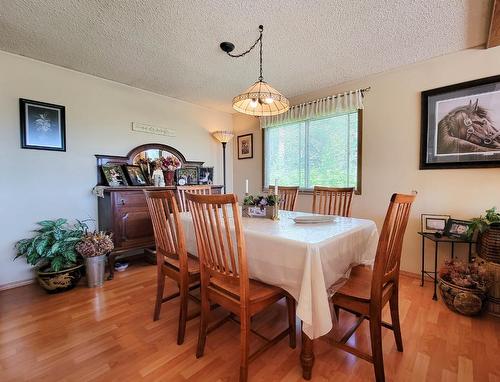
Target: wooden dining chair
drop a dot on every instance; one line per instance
(224, 274)
(288, 197)
(172, 259)
(181, 194)
(332, 201)
(366, 292)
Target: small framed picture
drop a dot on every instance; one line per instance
(187, 175)
(433, 223)
(136, 175)
(456, 228)
(245, 146)
(114, 175)
(206, 175)
(43, 125)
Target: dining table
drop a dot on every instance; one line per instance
(309, 261)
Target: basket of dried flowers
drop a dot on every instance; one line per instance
(463, 286)
(94, 247)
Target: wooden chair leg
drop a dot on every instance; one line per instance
(245, 323)
(336, 309)
(182, 314)
(394, 305)
(205, 311)
(376, 341)
(290, 302)
(159, 295)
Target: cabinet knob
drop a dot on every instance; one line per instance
(122, 202)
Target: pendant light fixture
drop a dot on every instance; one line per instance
(260, 99)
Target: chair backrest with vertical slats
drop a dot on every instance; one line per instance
(332, 201)
(388, 257)
(168, 230)
(288, 196)
(219, 238)
(199, 190)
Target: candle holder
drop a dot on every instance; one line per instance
(275, 212)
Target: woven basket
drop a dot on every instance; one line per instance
(488, 244)
(468, 302)
(494, 288)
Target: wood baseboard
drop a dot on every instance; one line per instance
(16, 284)
(410, 274)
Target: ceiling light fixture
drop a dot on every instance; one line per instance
(260, 99)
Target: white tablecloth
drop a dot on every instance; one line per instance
(303, 259)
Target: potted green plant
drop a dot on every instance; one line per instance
(463, 286)
(488, 238)
(93, 247)
(52, 252)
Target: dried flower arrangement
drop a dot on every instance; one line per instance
(473, 275)
(95, 244)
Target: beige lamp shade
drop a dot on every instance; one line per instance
(223, 136)
(261, 99)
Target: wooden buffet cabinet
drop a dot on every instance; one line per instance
(124, 212)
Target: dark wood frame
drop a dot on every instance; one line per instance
(23, 124)
(238, 144)
(129, 178)
(452, 221)
(185, 168)
(199, 173)
(357, 190)
(120, 167)
(424, 126)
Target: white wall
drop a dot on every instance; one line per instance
(37, 185)
(391, 143)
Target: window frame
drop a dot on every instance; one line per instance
(309, 191)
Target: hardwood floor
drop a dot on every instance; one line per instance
(108, 334)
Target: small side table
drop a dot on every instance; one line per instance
(437, 240)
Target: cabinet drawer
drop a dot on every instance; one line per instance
(130, 199)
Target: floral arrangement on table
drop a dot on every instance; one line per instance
(261, 206)
(463, 286)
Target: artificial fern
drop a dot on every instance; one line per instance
(53, 244)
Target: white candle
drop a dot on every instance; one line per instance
(246, 186)
(276, 186)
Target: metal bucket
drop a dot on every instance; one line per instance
(94, 267)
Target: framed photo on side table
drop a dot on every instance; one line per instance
(43, 125)
(457, 228)
(433, 223)
(245, 146)
(206, 175)
(460, 125)
(135, 175)
(187, 175)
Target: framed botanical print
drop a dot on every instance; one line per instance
(245, 146)
(43, 125)
(461, 125)
(114, 175)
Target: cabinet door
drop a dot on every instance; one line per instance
(132, 223)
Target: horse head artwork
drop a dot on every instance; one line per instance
(467, 129)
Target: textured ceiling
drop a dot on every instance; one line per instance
(172, 47)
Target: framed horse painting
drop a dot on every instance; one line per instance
(461, 125)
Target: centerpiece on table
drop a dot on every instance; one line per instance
(463, 286)
(169, 165)
(52, 252)
(266, 206)
(94, 247)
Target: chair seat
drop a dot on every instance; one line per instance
(359, 284)
(258, 291)
(193, 264)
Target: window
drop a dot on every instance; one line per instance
(322, 152)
